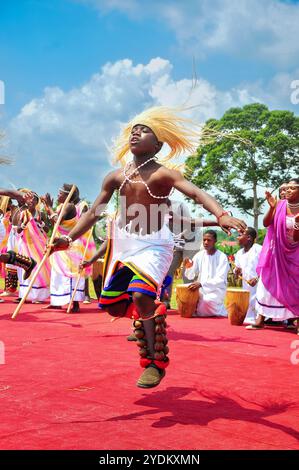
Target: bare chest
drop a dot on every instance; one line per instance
(145, 187)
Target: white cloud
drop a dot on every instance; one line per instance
(63, 135)
(275, 93)
(258, 29)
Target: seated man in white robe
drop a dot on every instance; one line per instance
(210, 267)
(246, 261)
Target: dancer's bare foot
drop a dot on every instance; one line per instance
(258, 325)
(52, 307)
(18, 300)
(291, 324)
(254, 327)
(5, 294)
(75, 307)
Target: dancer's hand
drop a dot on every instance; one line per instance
(227, 222)
(187, 263)
(272, 200)
(238, 272)
(252, 282)
(28, 197)
(47, 200)
(84, 264)
(59, 244)
(194, 285)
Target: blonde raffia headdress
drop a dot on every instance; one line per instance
(169, 127)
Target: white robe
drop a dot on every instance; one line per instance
(37, 293)
(12, 244)
(247, 261)
(268, 306)
(211, 271)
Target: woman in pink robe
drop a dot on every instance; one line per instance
(277, 292)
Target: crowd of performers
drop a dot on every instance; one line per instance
(140, 260)
(25, 223)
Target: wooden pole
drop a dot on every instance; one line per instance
(79, 275)
(46, 255)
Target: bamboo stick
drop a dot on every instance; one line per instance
(80, 274)
(46, 255)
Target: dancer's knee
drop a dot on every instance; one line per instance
(117, 310)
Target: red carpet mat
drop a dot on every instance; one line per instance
(68, 382)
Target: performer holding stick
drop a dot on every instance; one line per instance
(12, 257)
(80, 272)
(47, 253)
(65, 264)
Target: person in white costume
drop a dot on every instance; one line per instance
(210, 266)
(246, 261)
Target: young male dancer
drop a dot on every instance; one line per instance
(139, 254)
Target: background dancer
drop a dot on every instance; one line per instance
(32, 238)
(277, 291)
(65, 265)
(9, 255)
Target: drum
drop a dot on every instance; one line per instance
(97, 269)
(237, 303)
(186, 300)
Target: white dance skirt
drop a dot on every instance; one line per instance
(270, 307)
(62, 288)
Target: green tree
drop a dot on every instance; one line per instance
(265, 153)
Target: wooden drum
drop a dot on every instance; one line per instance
(186, 300)
(237, 303)
(97, 269)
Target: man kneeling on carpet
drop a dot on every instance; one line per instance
(138, 255)
(210, 268)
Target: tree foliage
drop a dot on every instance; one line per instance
(264, 154)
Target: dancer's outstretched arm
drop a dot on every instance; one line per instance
(225, 221)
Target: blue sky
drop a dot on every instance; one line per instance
(74, 70)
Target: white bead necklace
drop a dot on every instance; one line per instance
(128, 178)
(293, 206)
